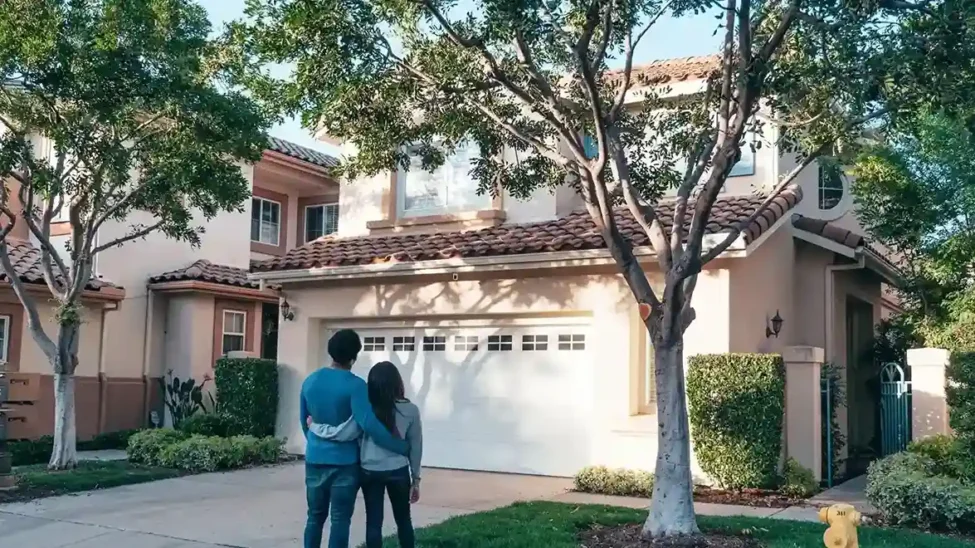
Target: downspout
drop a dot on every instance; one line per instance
(102, 380)
(828, 320)
(146, 350)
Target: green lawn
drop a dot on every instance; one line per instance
(36, 481)
(554, 525)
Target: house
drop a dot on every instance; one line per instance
(181, 308)
(514, 332)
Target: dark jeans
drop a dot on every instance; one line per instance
(331, 492)
(395, 483)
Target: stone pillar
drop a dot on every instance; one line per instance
(929, 406)
(803, 406)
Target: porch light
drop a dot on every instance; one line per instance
(776, 326)
(286, 312)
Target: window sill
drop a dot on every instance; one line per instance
(493, 217)
(267, 249)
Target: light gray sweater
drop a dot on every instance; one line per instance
(371, 455)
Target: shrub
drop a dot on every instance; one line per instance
(26, 452)
(797, 480)
(146, 446)
(184, 398)
(737, 404)
(108, 440)
(614, 481)
(960, 392)
(210, 453)
(951, 456)
(905, 489)
(247, 389)
(212, 424)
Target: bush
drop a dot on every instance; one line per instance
(26, 452)
(960, 392)
(247, 389)
(737, 404)
(212, 424)
(108, 440)
(797, 480)
(614, 481)
(905, 488)
(208, 454)
(951, 456)
(146, 446)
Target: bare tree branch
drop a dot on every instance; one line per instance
(139, 233)
(30, 307)
(631, 45)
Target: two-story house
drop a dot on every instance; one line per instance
(514, 332)
(181, 307)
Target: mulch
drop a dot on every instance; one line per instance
(761, 498)
(628, 536)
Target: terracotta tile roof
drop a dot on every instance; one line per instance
(205, 271)
(575, 231)
(672, 70)
(829, 231)
(26, 260)
(302, 153)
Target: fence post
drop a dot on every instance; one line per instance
(929, 406)
(803, 406)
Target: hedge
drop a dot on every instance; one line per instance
(247, 389)
(620, 482)
(38, 451)
(195, 453)
(960, 391)
(737, 405)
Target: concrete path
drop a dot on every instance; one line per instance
(258, 508)
(848, 492)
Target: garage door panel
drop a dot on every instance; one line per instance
(509, 399)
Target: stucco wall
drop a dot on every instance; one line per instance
(188, 345)
(33, 359)
(761, 285)
(620, 439)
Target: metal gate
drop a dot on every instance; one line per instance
(825, 391)
(895, 409)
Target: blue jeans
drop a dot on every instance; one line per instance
(375, 486)
(331, 492)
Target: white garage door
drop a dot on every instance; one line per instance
(505, 399)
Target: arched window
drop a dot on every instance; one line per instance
(830, 186)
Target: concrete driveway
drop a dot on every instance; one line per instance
(258, 508)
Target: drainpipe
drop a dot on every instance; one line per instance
(146, 350)
(830, 270)
(102, 380)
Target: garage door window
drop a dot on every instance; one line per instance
(499, 343)
(464, 343)
(373, 344)
(533, 343)
(573, 341)
(434, 344)
(404, 344)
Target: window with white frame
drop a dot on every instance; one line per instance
(465, 343)
(234, 330)
(499, 343)
(572, 341)
(265, 221)
(404, 344)
(4, 338)
(534, 343)
(746, 165)
(449, 188)
(373, 344)
(321, 220)
(434, 344)
(830, 186)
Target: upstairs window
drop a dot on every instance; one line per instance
(265, 221)
(321, 220)
(746, 165)
(448, 189)
(830, 187)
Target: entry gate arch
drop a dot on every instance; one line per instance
(895, 409)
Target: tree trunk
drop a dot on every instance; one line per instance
(672, 502)
(65, 453)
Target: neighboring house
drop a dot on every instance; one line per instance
(515, 334)
(182, 308)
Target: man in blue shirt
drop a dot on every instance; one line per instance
(330, 396)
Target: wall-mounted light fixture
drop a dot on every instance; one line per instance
(286, 311)
(774, 326)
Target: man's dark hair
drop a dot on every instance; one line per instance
(344, 347)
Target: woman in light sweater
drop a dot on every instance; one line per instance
(382, 470)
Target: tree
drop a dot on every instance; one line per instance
(421, 77)
(916, 194)
(126, 93)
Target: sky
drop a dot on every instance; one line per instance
(684, 37)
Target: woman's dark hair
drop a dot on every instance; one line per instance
(385, 389)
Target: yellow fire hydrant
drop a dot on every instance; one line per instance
(842, 520)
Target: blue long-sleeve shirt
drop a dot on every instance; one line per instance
(331, 396)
